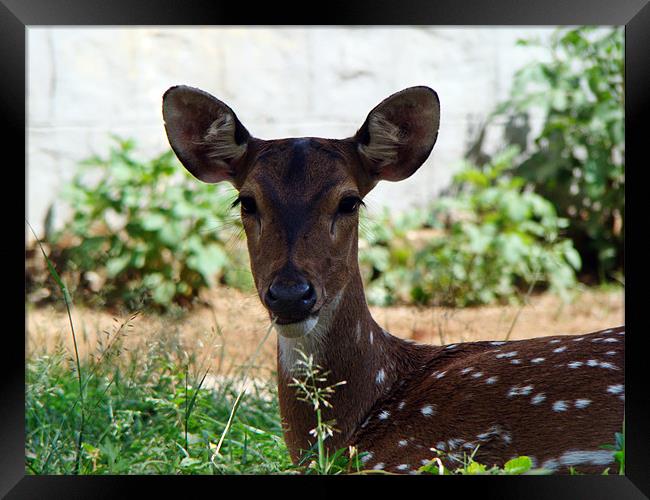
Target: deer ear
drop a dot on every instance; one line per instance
(204, 133)
(399, 133)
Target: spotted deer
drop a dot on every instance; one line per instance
(555, 399)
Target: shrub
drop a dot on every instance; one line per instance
(146, 229)
(490, 240)
(577, 159)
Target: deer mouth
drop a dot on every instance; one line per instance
(315, 323)
(292, 320)
(293, 329)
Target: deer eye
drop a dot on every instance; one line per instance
(349, 205)
(248, 205)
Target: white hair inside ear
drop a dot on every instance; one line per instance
(385, 140)
(220, 140)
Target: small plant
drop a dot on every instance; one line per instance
(618, 449)
(309, 381)
(487, 241)
(144, 230)
(468, 466)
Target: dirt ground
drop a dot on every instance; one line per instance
(229, 331)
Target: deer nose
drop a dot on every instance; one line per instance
(290, 299)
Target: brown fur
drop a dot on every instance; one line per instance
(400, 398)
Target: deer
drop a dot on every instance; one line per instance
(555, 399)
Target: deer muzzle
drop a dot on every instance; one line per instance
(290, 300)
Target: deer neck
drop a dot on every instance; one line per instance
(352, 347)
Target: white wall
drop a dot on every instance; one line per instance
(86, 83)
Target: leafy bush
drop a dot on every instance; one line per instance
(146, 229)
(490, 240)
(577, 159)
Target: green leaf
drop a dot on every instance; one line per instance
(518, 465)
(475, 468)
(116, 265)
(154, 221)
(164, 292)
(573, 257)
(208, 261)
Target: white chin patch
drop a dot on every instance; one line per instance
(297, 330)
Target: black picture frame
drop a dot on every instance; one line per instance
(17, 15)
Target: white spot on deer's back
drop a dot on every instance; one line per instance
(507, 354)
(592, 362)
(428, 410)
(578, 339)
(560, 349)
(555, 341)
(401, 405)
(615, 389)
(559, 406)
(494, 430)
(442, 446)
(582, 403)
(402, 442)
(589, 457)
(491, 380)
(455, 443)
(537, 360)
(520, 391)
(451, 346)
(550, 464)
(538, 398)
(403, 466)
(371, 337)
(609, 366)
(610, 340)
(477, 374)
(381, 375)
(575, 364)
(379, 466)
(497, 343)
(515, 361)
(441, 374)
(367, 457)
(383, 415)
(610, 353)
(466, 370)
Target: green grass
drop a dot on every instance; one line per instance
(146, 415)
(148, 412)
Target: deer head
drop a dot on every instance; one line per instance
(300, 197)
